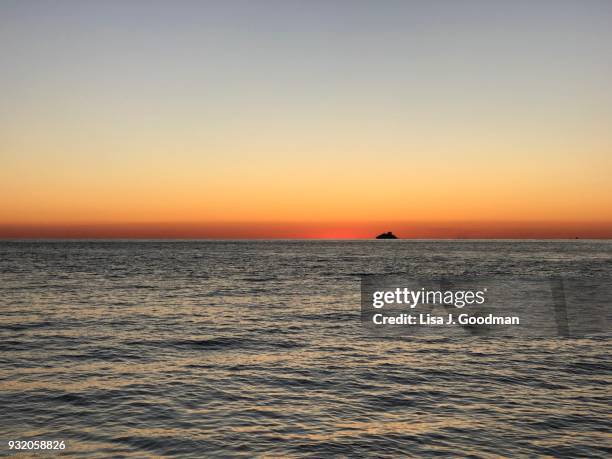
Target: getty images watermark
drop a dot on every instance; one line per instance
(399, 305)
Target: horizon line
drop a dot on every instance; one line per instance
(432, 230)
(263, 239)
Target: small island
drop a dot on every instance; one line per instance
(387, 235)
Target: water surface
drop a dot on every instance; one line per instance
(195, 349)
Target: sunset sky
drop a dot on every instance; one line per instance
(305, 118)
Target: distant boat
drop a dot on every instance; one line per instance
(387, 235)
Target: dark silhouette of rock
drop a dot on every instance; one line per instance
(387, 235)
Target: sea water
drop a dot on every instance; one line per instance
(236, 348)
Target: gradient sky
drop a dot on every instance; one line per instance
(325, 114)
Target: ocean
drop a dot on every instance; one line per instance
(256, 348)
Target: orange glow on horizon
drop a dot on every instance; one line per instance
(324, 230)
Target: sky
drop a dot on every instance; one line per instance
(305, 118)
